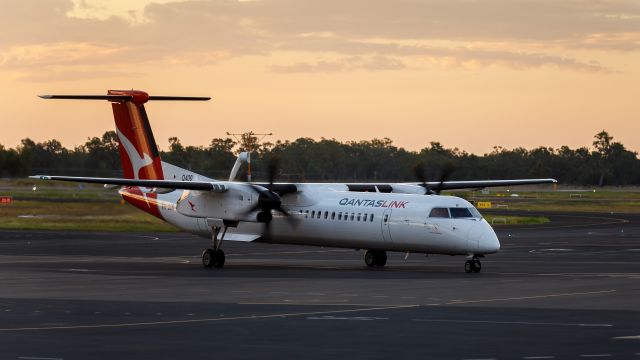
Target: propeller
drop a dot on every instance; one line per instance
(268, 200)
(445, 172)
(418, 171)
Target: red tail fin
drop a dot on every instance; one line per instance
(138, 149)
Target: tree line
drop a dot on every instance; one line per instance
(606, 162)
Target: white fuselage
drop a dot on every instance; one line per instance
(328, 215)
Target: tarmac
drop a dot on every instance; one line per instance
(569, 289)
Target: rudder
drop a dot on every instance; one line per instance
(138, 149)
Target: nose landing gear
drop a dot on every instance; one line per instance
(473, 265)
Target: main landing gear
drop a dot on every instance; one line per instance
(214, 257)
(375, 258)
(473, 265)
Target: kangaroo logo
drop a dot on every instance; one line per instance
(137, 162)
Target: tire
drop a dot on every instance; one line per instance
(380, 258)
(370, 258)
(477, 266)
(208, 258)
(218, 259)
(468, 266)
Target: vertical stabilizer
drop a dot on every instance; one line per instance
(138, 149)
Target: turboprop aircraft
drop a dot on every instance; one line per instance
(378, 217)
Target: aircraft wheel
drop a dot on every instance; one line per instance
(218, 259)
(468, 266)
(370, 258)
(208, 258)
(477, 265)
(380, 258)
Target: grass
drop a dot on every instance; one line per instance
(68, 206)
(501, 220)
(567, 201)
(80, 216)
(71, 206)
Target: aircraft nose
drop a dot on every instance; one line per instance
(488, 242)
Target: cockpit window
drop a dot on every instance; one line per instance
(475, 213)
(460, 213)
(439, 213)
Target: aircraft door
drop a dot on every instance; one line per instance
(473, 241)
(386, 229)
(202, 225)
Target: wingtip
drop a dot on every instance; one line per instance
(40, 177)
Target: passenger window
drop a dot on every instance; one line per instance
(340, 216)
(333, 215)
(351, 216)
(386, 217)
(326, 214)
(319, 214)
(306, 214)
(313, 214)
(371, 219)
(358, 218)
(439, 213)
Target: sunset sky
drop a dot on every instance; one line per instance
(471, 73)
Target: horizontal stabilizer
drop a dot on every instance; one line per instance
(125, 97)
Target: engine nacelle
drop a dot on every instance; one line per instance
(233, 204)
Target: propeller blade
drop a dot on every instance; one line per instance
(272, 170)
(447, 170)
(418, 171)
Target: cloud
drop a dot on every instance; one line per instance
(474, 58)
(65, 53)
(365, 34)
(351, 63)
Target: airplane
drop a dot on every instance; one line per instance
(377, 217)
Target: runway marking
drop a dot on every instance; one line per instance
(38, 358)
(539, 357)
(288, 252)
(322, 304)
(613, 275)
(154, 238)
(454, 302)
(194, 321)
(633, 337)
(512, 322)
(356, 318)
(595, 355)
(557, 249)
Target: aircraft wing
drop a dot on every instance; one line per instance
(164, 184)
(479, 184)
